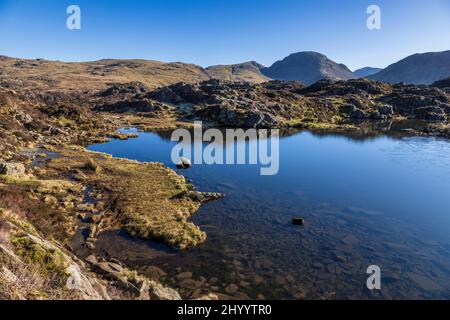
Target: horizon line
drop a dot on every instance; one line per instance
(205, 67)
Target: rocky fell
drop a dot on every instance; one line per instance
(308, 67)
(424, 68)
(285, 104)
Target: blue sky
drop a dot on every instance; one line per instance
(208, 32)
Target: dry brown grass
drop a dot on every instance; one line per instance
(49, 220)
(246, 72)
(97, 75)
(22, 275)
(26, 282)
(143, 196)
(167, 122)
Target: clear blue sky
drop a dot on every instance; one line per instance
(208, 32)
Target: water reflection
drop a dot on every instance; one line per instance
(366, 200)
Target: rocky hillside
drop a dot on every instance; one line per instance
(307, 67)
(424, 68)
(52, 189)
(367, 71)
(286, 104)
(242, 72)
(442, 84)
(97, 75)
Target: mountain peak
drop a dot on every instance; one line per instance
(308, 53)
(419, 68)
(308, 67)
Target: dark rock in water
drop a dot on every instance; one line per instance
(184, 163)
(298, 221)
(154, 273)
(198, 196)
(204, 197)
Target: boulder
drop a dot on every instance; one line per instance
(78, 281)
(91, 259)
(202, 197)
(24, 118)
(138, 286)
(110, 270)
(298, 221)
(12, 169)
(205, 197)
(57, 131)
(154, 273)
(209, 297)
(260, 120)
(159, 292)
(184, 163)
(386, 110)
(353, 112)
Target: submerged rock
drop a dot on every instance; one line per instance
(201, 197)
(137, 285)
(298, 221)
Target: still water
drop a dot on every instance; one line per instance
(380, 201)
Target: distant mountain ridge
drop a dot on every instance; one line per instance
(366, 71)
(421, 68)
(247, 72)
(308, 67)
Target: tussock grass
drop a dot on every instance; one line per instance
(143, 196)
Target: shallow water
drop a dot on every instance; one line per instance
(376, 201)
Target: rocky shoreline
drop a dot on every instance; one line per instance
(49, 183)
